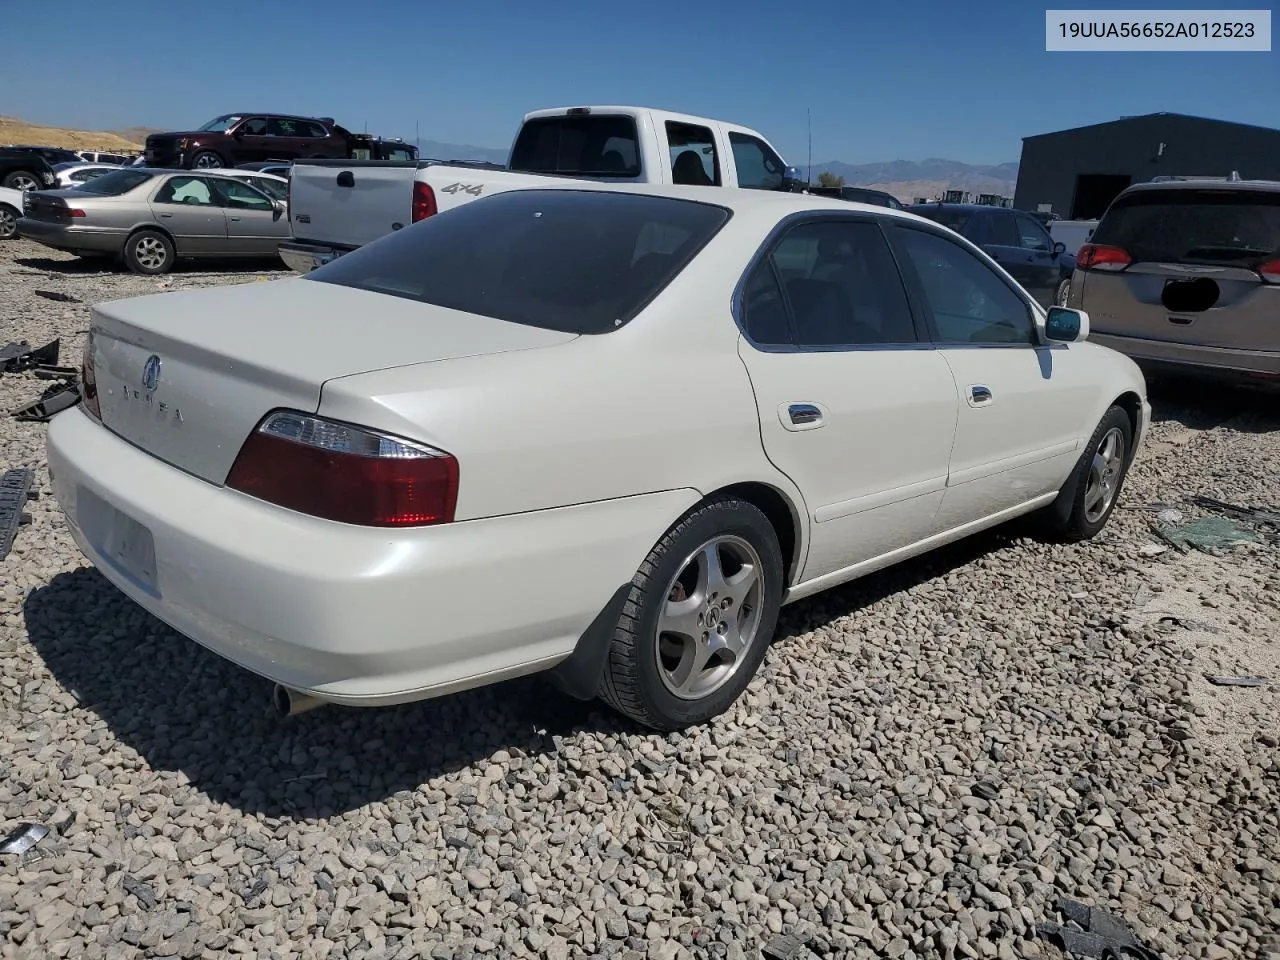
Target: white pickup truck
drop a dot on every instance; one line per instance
(339, 205)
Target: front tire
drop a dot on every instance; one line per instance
(206, 160)
(1098, 477)
(8, 222)
(149, 252)
(1064, 291)
(699, 618)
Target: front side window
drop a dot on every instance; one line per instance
(758, 166)
(969, 302)
(694, 160)
(579, 261)
(1032, 236)
(254, 127)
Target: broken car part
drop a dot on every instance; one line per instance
(57, 398)
(1096, 933)
(23, 838)
(55, 295)
(1221, 681)
(15, 491)
(16, 357)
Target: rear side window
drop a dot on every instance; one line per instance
(596, 146)
(578, 261)
(116, 183)
(1235, 227)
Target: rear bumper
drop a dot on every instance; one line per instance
(71, 237)
(1255, 366)
(303, 257)
(349, 614)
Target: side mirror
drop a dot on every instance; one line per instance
(1064, 325)
(1059, 249)
(792, 181)
(277, 208)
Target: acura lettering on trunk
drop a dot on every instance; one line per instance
(608, 450)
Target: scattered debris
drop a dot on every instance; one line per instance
(1210, 534)
(1096, 933)
(15, 491)
(784, 948)
(16, 357)
(1170, 515)
(985, 789)
(55, 399)
(1250, 514)
(1169, 623)
(1220, 681)
(55, 295)
(1152, 549)
(23, 837)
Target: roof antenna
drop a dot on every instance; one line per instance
(808, 173)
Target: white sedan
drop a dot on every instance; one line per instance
(599, 431)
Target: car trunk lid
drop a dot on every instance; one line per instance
(187, 376)
(47, 205)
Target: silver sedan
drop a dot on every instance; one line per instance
(151, 218)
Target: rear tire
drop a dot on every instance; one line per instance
(149, 252)
(22, 180)
(1097, 480)
(699, 618)
(206, 160)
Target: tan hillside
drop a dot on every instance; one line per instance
(13, 130)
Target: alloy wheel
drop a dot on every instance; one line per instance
(710, 617)
(150, 253)
(1104, 475)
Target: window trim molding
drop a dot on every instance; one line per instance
(924, 339)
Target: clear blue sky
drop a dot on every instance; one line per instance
(885, 81)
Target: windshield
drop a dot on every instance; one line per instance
(219, 124)
(577, 261)
(1236, 227)
(115, 183)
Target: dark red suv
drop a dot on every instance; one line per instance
(236, 138)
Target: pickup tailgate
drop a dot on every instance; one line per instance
(456, 185)
(349, 202)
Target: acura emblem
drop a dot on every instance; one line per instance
(151, 372)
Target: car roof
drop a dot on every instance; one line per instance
(938, 204)
(1212, 183)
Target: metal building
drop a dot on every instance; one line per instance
(1076, 173)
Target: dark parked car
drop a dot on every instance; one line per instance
(1015, 240)
(51, 155)
(876, 198)
(24, 170)
(236, 138)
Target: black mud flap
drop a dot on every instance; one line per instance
(580, 673)
(15, 491)
(16, 357)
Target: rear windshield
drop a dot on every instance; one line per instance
(578, 261)
(596, 146)
(951, 219)
(1235, 227)
(115, 183)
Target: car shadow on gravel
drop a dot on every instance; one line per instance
(99, 265)
(1204, 405)
(185, 709)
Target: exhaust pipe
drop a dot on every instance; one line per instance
(290, 703)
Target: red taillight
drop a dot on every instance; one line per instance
(73, 212)
(424, 201)
(1270, 271)
(88, 381)
(345, 473)
(1099, 256)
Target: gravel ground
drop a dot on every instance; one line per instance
(927, 761)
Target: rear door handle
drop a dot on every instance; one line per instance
(979, 395)
(803, 416)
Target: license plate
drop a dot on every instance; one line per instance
(130, 546)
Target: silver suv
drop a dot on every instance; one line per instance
(1185, 274)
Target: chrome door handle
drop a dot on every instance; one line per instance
(978, 394)
(805, 415)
